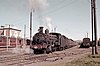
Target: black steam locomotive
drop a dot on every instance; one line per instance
(86, 43)
(49, 42)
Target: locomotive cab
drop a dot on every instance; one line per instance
(85, 43)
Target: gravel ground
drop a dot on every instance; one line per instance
(59, 57)
(70, 55)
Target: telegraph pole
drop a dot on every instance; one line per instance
(24, 43)
(94, 26)
(30, 26)
(24, 31)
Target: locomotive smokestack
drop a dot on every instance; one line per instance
(40, 29)
(47, 31)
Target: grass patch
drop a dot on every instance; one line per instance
(90, 60)
(95, 56)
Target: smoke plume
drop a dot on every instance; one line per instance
(38, 4)
(48, 23)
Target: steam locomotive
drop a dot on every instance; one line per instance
(87, 43)
(49, 42)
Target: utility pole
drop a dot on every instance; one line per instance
(94, 26)
(24, 43)
(24, 31)
(30, 26)
(9, 31)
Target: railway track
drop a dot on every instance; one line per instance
(25, 59)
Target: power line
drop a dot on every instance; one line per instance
(24, 19)
(59, 2)
(88, 1)
(56, 9)
(59, 8)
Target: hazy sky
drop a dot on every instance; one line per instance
(70, 17)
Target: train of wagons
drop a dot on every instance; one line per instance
(49, 42)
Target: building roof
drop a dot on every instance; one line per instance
(10, 29)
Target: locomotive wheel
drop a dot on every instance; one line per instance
(65, 47)
(84, 46)
(48, 50)
(61, 48)
(44, 51)
(53, 49)
(35, 51)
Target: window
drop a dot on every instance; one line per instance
(0, 40)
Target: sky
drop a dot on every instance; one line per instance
(70, 17)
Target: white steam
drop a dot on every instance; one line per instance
(48, 23)
(38, 5)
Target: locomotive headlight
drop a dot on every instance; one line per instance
(35, 47)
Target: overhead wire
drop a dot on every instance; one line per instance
(89, 1)
(35, 14)
(59, 2)
(61, 7)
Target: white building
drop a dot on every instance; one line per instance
(10, 31)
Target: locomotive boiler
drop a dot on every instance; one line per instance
(49, 42)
